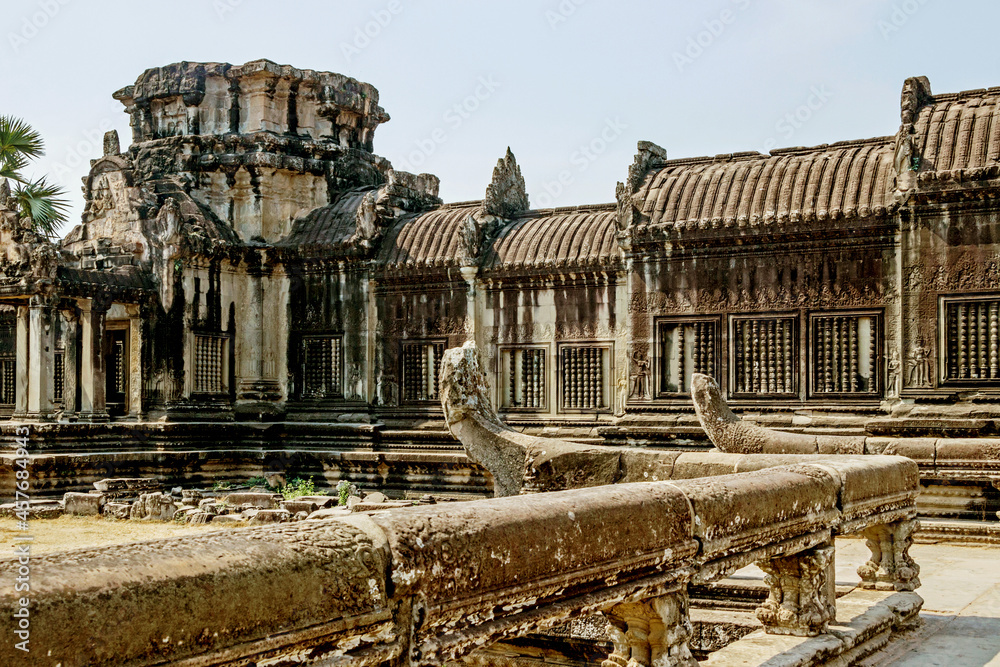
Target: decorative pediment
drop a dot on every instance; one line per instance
(506, 196)
(648, 156)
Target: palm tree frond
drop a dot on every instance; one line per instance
(11, 166)
(18, 138)
(44, 203)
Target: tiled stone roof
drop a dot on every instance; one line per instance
(425, 240)
(851, 179)
(959, 131)
(581, 237)
(554, 239)
(330, 226)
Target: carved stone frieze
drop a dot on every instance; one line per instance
(422, 328)
(703, 300)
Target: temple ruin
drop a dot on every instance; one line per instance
(252, 290)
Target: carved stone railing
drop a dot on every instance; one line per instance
(428, 585)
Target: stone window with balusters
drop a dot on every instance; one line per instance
(685, 347)
(421, 361)
(972, 340)
(764, 356)
(845, 354)
(584, 377)
(522, 378)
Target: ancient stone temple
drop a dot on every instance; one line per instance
(248, 257)
(252, 290)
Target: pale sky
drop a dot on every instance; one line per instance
(569, 85)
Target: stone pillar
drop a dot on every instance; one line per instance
(471, 319)
(802, 599)
(251, 325)
(92, 382)
(41, 353)
(134, 361)
(651, 633)
(71, 361)
(890, 567)
(21, 364)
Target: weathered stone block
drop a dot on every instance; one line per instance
(118, 510)
(298, 505)
(153, 507)
(82, 504)
(120, 487)
(270, 516)
(197, 518)
(261, 500)
(322, 502)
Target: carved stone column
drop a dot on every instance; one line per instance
(651, 633)
(41, 353)
(71, 361)
(134, 360)
(890, 567)
(21, 364)
(471, 324)
(92, 383)
(802, 599)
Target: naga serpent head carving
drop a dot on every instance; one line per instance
(464, 388)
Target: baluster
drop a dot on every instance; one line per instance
(973, 343)
(874, 363)
(574, 364)
(541, 378)
(855, 380)
(536, 378)
(710, 348)
(432, 359)
(994, 361)
(599, 384)
(748, 357)
(588, 378)
(788, 356)
(984, 368)
(512, 378)
(827, 350)
(963, 364)
(592, 378)
(738, 346)
(529, 378)
(755, 355)
(845, 354)
(779, 353)
(952, 341)
(566, 381)
(835, 380)
(772, 357)
(681, 358)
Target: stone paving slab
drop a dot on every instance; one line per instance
(961, 612)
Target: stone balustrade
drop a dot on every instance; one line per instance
(429, 585)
